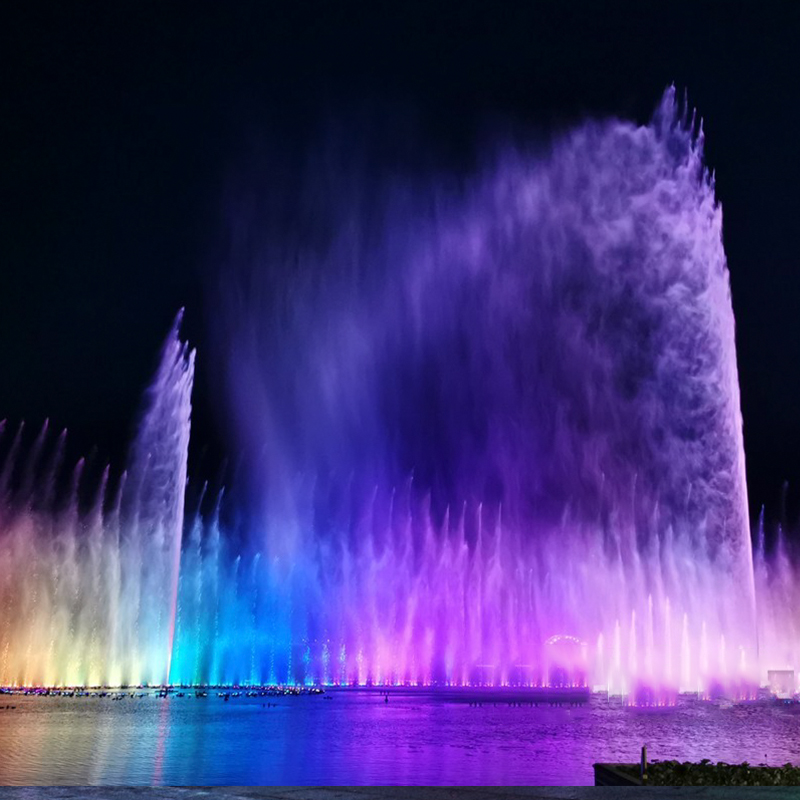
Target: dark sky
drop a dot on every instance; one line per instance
(120, 127)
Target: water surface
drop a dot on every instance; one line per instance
(357, 738)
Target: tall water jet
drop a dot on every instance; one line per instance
(88, 589)
(549, 347)
(153, 498)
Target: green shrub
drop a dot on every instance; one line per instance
(676, 773)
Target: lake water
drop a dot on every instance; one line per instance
(356, 738)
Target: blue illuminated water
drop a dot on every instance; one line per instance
(357, 738)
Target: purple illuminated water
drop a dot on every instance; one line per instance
(357, 739)
(492, 433)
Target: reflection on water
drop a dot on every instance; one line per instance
(357, 738)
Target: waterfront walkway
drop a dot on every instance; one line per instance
(388, 793)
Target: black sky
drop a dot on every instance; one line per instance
(120, 123)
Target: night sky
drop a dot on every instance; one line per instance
(120, 131)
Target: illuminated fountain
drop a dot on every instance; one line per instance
(492, 435)
(89, 596)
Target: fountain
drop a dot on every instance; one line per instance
(89, 596)
(493, 436)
